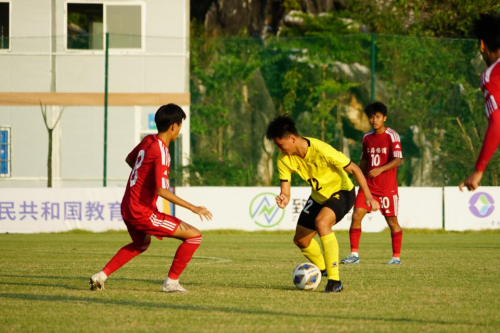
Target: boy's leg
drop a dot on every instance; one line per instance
(191, 238)
(304, 239)
(355, 230)
(305, 232)
(397, 238)
(360, 210)
(355, 235)
(140, 243)
(324, 223)
(390, 212)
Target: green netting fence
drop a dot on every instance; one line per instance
(431, 88)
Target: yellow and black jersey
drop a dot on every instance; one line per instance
(322, 167)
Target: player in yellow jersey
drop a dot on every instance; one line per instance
(332, 192)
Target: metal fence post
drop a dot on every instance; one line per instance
(373, 69)
(105, 113)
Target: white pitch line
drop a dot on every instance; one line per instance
(219, 260)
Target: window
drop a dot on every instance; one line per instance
(124, 24)
(85, 26)
(87, 23)
(4, 151)
(4, 25)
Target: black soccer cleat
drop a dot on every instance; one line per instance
(333, 286)
(323, 273)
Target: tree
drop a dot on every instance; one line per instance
(50, 131)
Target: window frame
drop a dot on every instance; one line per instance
(105, 4)
(10, 26)
(8, 129)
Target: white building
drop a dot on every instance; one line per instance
(52, 52)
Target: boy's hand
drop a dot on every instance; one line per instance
(472, 182)
(374, 172)
(281, 201)
(373, 204)
(203, 212)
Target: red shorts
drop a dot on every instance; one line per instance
(159, 225)
(389, 203)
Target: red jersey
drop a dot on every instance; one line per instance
(378, 150)
(490, 85)
(150, 172)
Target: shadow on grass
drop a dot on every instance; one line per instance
(148, 281)
(176, 306)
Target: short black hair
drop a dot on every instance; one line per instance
(487, 29)
(167, 115)
(373, 108)
(280, 127)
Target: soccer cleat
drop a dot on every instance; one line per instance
(351, 259)
(394, 261)
(323, 273)
(334, 286)
(97, 282)
(173, 287)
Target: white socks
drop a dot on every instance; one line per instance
(172, 281)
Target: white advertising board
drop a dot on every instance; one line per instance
(254, 208)
(471, 210)
(31, 210)
(241, 208)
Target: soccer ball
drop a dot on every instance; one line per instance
(306, 276)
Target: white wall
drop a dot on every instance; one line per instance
(162, 68)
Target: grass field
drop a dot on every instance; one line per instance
(448, 282)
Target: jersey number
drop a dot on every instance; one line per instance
(375, 159)
(314, 180)
(308, 205)
(384, 202)
(138, 163)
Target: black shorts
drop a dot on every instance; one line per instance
(340, 202)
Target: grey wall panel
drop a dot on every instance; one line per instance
(82, 142)
(31, 18)
(80, 74)
(121, 126)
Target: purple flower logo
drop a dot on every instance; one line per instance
(481, 204)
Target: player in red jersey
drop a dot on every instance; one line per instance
(380, 159)
(150, 163)
(487, 29)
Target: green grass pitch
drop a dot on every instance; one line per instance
(241, 282)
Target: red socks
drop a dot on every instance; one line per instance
(397, 237)
(183, 256)
(123, 256)
(354, 236)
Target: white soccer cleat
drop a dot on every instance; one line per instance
(394, 261)
(173, 287)
(97, 281)
(351, 259)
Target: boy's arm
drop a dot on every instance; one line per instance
(354, 170)
(171, 197)
(284, 198)
(391, 165)
(490, 144)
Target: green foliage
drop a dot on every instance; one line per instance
(451, 18)
(315, 70)
(206, 170)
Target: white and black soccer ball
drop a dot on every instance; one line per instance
(306, 276)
